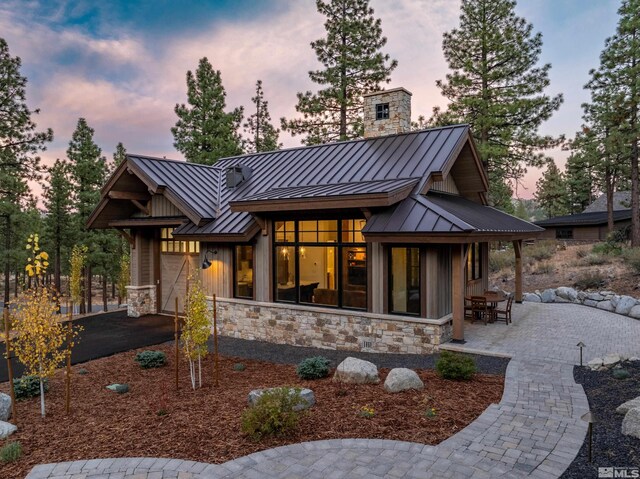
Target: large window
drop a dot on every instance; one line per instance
(474, 262)
(321, 262)
(404, 280)
(564, 233)
(243, 272)
(170, 245)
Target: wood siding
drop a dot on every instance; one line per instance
(160, 206)
(448, 185)
(175, 270)
(262, 267)
(142, 259)
(377, 291)
(218, 278)
(437, 280)
(479, 286)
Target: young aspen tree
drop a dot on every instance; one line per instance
(196, 330)
(40, 333)
(124, 277)
(77, 261)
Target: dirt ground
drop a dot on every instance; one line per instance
(569, 265)
(204, 425)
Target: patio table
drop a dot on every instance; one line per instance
(493, 298)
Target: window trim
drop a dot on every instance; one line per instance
(382, 111)
(235, 271)
(170, 239)
(568, 236)
(339, 245)
(389, 288)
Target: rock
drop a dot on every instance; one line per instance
(532, 298)
(6, 429)
(634, 358)
(631, 423)
(608, 294)
(307, 397)
(356, 371)
(569, 294)
(401, 379)
(595, 297)
(605, 305)
(595, 364)
(610, 360)
(548, 295)
(614, 300)
(591, 303)
(119, 388)
(82, 371)
(635, 312)
(582, 295)
(625, 304)
(624, 408)
(5, 407)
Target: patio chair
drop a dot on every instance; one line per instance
(480, 310)
(504, 314)
(468, 308)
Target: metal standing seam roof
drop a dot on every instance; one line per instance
(585, 219)
(445, 213)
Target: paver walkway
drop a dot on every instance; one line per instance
(535, 431)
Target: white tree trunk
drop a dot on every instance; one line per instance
(192, 372)
(199, 371)
(42, 411)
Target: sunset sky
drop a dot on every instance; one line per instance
(122, 64)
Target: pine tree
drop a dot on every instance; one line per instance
(88, 173)
(521, 210)
(551, 191)
(579, 179)
(617, 76)
(119, 155)
(20, 143)
(497, 87)
(58, 222)
(353, 65)
(204, 132)
(262, 136)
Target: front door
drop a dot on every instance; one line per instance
(175, 270)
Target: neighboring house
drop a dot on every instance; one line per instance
(592, 223)
(368, 244)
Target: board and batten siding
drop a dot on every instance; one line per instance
(218, 278)
(141, 267)
(437, 279)
(479, 286)
(378, 273)
(160, 206)
(448, 185)
(262, 259)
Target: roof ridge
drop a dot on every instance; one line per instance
(171, 160)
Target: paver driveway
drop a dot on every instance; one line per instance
(535, 431)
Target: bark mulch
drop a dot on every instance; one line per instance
(610, 447)
(204, 425)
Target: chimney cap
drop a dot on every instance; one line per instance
(392, 90)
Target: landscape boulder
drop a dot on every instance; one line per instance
(635, 312)
(118, 388)
(307, 397)
(610, 360)
(5, 407)
(595, 297)
(606, 306)
(595, 364)
(532, 298)
(631, 423)
(6, 429)
(402, 379)
(356, 371)
(624, 408)
(569, 294)
(625, 305)
(548, 296)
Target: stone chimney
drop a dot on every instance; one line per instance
(387, 112)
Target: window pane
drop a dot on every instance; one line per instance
(354, 277)
(308, 236)
(318, 281)
(244, 271)
(285, 231)
(285, 273)
(405, 280)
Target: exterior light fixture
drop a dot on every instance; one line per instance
(580, 345)
(206, 263)
(590, 419)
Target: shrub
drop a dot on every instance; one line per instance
(607, 248)
(581, 253)
(151, 359)
(541, 250)
(239, 367)
(632, 258)
(544, 268)
(499, 260)
(590, 280)
(27, 387)
(455, 366)
(11, 451)
(273, 413)
(316, 367)
(595, 260)
(620, 373)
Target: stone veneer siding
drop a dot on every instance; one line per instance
(329, 328)
(141, 300)
(399, 120)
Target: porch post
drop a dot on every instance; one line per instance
(458, 258)
(517, 248)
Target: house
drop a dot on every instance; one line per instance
(592, 223)
(368, 244)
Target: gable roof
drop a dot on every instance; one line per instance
(387, 175)
(621, 201)
(584, 219)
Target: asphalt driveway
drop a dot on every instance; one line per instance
(107, 334)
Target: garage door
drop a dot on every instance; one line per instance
(175, 270)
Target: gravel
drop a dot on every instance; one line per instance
(610, 447)
(285, 354)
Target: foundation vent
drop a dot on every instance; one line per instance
(366, 344)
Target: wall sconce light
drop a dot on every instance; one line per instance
(206, 263)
